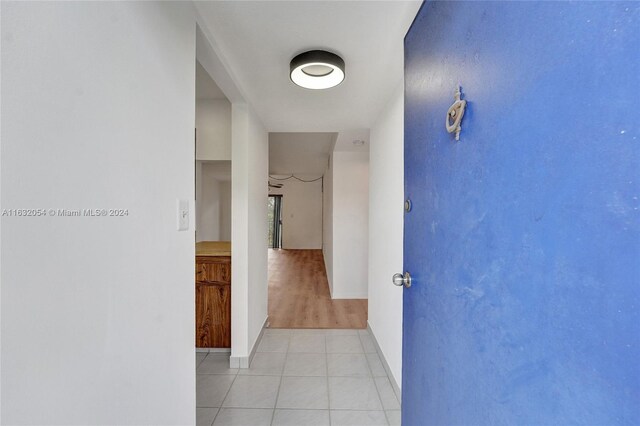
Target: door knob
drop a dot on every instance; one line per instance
(402, 280)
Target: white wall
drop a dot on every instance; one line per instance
(198, 200)
(327, 225)
(386, 217)
(258, 226)
(97, 312)
(249, 174)
(350, 224)
(208, 208)
(249, 231)
(301, 212)
(225, 210)
(213, 126)
(213, 203)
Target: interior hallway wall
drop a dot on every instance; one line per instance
(213, 127)
(386, 217)
(213, 203)
(249, 175)
(249, 168)
(350, 224)
(225, 210)
(97, 312)
(258, 226)
(208, 207)
(327, 222)
(301, 212)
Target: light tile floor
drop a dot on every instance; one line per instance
(299, 377)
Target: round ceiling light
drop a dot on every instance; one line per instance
(317, 69)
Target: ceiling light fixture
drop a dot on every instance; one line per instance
(317, 69)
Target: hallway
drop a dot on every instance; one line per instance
(299, 294)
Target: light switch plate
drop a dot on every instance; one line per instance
(183, 215)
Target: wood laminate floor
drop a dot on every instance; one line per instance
(299, 294)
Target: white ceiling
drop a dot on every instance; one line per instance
(206, 88)
(257, 39)
(299, 153)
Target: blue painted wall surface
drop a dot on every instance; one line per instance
(524, 239)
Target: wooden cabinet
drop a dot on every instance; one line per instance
(213, 269)
(213, 301)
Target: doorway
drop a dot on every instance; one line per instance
(274, 216)
(307, 289)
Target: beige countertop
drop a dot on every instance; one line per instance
(213, 248)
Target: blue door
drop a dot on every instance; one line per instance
(524, 236)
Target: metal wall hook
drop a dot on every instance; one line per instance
(455, 113)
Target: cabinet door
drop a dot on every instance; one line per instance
(213, 315)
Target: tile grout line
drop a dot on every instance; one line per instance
(223, 399)
(328, 377)
(387, 373)
(326, 365)
(286, 356)
(198, 364)
(387, 368)
(374, 383)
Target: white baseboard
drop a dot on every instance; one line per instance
(235, 361)
(245, 361)
(348, 296)
(385, 364)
